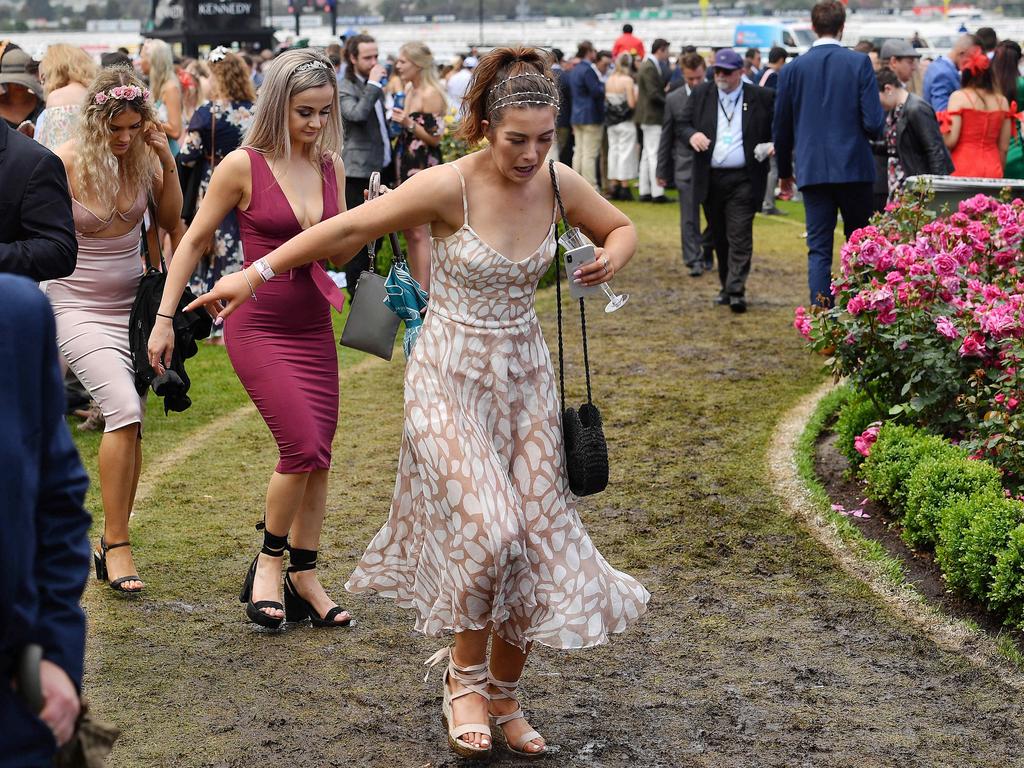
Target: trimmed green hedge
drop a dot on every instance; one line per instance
(943, 499)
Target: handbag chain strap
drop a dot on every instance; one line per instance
(558, 299)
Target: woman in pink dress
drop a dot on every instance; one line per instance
(483, 539)
(118, 158)
(976, 125)
(286, 177)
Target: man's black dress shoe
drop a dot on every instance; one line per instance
(696, 270)
(645, 198)
(722, 300)
(659, 199)
(737, 304)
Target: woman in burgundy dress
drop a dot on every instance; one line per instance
(287, 177)
(976, 125)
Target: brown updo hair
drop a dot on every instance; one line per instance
(503, 73)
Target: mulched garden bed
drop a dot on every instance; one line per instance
(920, 568)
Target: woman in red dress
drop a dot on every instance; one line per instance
(977, 126)
(286, 177)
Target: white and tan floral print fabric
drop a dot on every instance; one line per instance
(483, 528)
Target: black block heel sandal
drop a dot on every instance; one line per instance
(296, 607)
(99, 559)
(273, 546)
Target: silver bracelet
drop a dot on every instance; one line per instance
(251, 289)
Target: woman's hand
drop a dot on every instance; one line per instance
(161, 344)
(398, 116)
(600, 270)
(157, 140)
(229, 293)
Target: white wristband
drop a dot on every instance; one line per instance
(264, 269)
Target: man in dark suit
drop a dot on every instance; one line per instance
(587, 85)
(37, 233)
(826, 112)
(675, 162)
(650, 110)
(724, 121)
(44, 549)
(367, 146)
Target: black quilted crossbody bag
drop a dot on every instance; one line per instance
(586, 451)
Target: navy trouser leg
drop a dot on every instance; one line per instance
(821, 209)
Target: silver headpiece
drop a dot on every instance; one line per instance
(525, 97)
(218, 54)
(308, 66)
(537, 75)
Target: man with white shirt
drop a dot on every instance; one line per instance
(650, 109)
(724, 121)
(367, 146)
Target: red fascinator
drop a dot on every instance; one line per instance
(976, 64)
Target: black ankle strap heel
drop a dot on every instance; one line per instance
(99, 559)
(273, 546)
(296, 607)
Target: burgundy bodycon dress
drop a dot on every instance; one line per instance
(282, 345)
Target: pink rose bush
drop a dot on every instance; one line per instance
(928, 322)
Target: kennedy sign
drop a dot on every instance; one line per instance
(223, 15)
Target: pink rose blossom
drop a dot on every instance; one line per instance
(945, 327)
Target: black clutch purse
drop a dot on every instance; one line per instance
(586, 451)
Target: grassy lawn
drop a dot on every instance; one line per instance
(757, 649)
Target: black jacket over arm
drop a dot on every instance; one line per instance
(700, 115)
(37, 232)
(919, 142)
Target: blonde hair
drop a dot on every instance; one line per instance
(161, 67)
(64, 64)
(281, 81)
(96, 171)
(420, 55)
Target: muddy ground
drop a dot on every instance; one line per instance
(757, 651)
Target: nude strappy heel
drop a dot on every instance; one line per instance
(507, 690)
(473, 680)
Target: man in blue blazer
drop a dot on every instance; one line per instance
(826, 110)
(44, 549)
(586, 82)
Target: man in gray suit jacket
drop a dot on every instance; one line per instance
(367, 146)
(675, 162)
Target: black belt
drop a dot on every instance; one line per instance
(740, 169)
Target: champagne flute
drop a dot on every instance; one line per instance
(573, 239)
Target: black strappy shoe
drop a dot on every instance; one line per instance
(99, 559)
(274, 546)
(296, 607)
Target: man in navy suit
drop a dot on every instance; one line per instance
(37, 233)
(826, 110)
(586, 82)
(44, 549)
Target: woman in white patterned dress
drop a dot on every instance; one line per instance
(483, 538)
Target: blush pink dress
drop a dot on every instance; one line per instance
(92, 306)
(483, 527)
(282, 345)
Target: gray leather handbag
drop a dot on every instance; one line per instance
(372, 326)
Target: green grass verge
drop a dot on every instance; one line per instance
(871, 551)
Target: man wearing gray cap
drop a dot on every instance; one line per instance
(21, 93)
(902, 58)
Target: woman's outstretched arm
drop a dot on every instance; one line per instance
(420, 200)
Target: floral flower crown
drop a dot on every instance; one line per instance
(123, 93)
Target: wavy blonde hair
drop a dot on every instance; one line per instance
(231, 75)
(96, 170)
(269, 132)
(420, 55)
(161, 66)
(64, 64)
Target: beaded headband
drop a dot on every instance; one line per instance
(309, 66)
(525, 97)
(123, 93)
(538, 75)
(218, 54)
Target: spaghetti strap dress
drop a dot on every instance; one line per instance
(483, 527)
(282, 346)
(92, 306)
